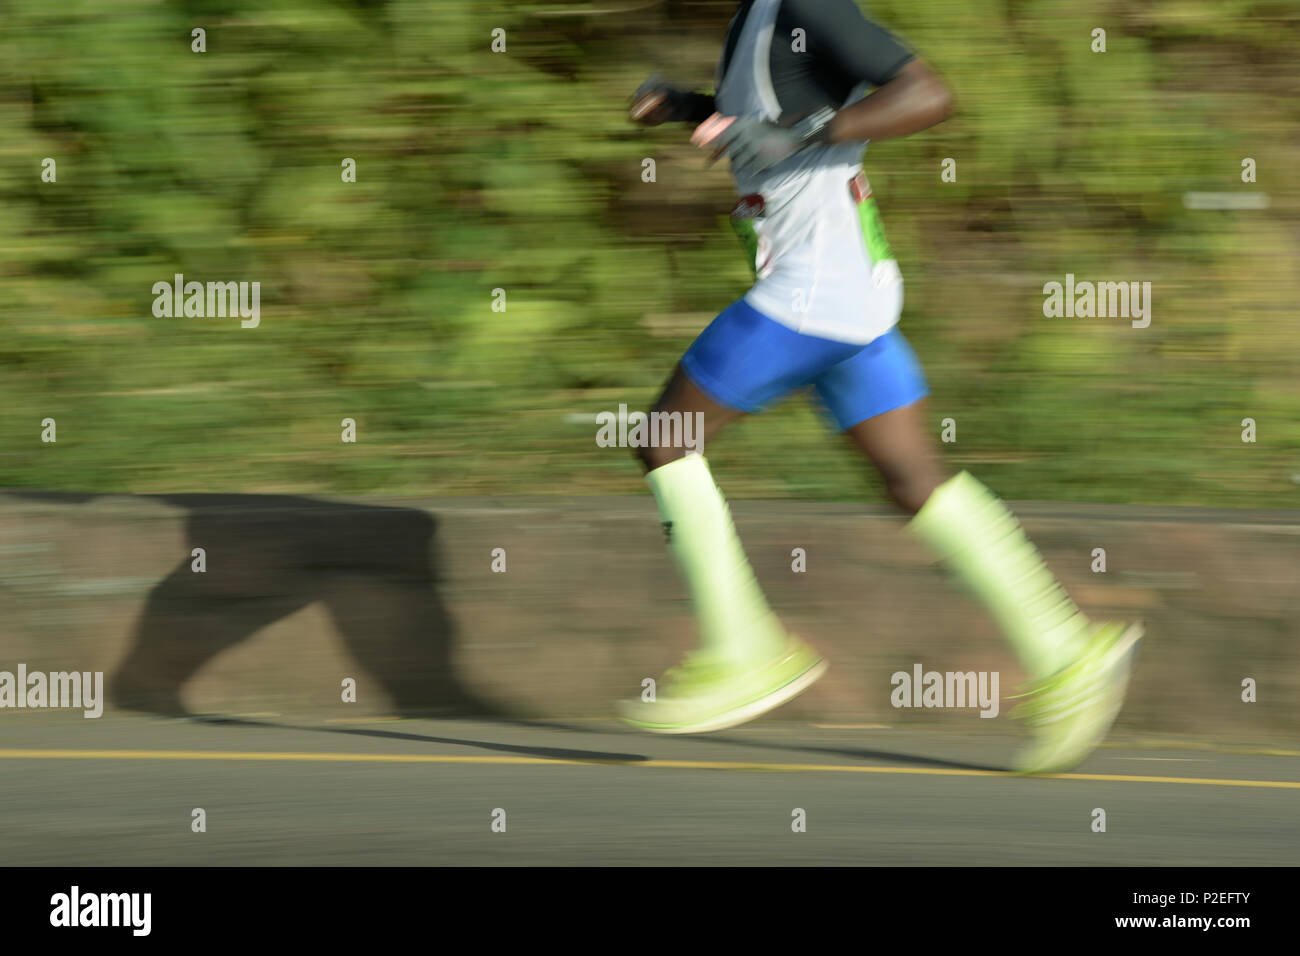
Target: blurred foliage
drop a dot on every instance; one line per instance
(518, 170)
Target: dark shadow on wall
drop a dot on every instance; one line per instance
(373, 567)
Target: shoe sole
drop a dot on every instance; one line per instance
(1132, 637)
(746, 712)
(1125, 646)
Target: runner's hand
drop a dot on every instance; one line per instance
(655, 102)
(754, 144)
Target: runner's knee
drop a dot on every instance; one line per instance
(656, 457)
(910, 488)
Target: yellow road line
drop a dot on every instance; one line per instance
(272, 756)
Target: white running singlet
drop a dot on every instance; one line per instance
(815, 274)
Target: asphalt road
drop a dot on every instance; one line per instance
(121, 790)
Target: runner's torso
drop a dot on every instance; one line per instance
(816, 274)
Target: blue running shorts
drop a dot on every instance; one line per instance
(744, 360)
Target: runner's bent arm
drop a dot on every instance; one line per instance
(850, 49)
(915, 99)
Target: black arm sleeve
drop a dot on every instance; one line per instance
(693, 107)
(842, 40)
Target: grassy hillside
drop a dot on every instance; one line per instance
(518, 171)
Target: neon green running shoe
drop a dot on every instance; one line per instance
(704, 694)
(1070, 712)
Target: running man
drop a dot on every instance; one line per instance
(790, 115)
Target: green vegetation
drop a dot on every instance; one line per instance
(518, 170)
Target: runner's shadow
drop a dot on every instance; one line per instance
(558, 753)
(268, 556)
(853, 753)
(550, 753)
(907, 760)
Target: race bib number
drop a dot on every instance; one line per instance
(747, 220)
(884, 268)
